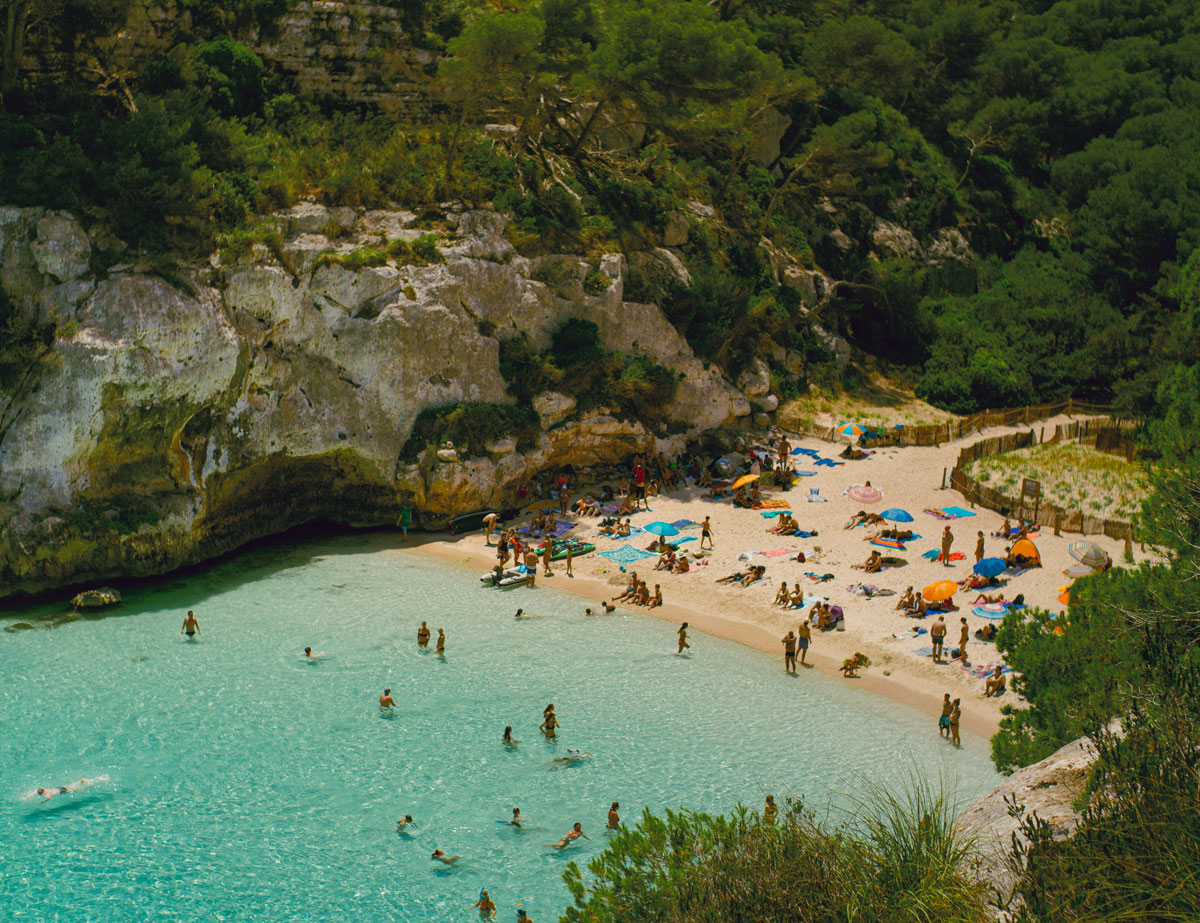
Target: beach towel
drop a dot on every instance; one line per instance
(957, 512)
(775, 553)
(626, 554)
(680, 541)
(684, 523)
(771, 514)
(781, 505)
(828, 462)
(819, 578)
(805, 474)
(558, 530)
(923, 651)
(939, 514)
(811, 453)
(802, 534)
(889, 543)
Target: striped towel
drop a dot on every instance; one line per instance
(889, 543)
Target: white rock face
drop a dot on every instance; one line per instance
(178, 421)
(756, 380)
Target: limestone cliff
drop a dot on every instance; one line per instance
(176, 416)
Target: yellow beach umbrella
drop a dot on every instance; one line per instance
(743, 481)
(943, 589)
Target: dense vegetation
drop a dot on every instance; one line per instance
(1060, 138)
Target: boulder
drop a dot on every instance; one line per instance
(503, 446)
(768, 133)
(756, 379)
(552, 407)
(770, 403)
(675, 234)
(891, 241)
(62, 249)
(656, 272)
(833, 344)
(96, 599)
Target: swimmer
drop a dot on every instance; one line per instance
(439, 856)
(683, 641)
(521, 614)
(441, 642)
(48, 793)
(614, 819)
(571, 757)
(588, 612)
(573, 834)
(308, 652)
(522, 916)
(508, 740)
(405, 822)
(487, 908)
(423, 636)
(386, 700)
(191, 627)
(516, 818)
(609, 607)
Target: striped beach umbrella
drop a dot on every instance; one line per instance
(850, 429)
(865, 493)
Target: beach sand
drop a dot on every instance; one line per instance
(910, 478)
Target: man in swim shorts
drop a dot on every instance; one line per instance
(386, 700)
(706, 532)
(191, 627)
(404, 520)
(937, 634)
(789, 651)
(944, 720)
(803, 637)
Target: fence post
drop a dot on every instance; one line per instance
(943, 479)
(1043, 439)
(1129, 543)
(1058, 522)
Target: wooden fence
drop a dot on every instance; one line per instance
(938, 433)
(1062, 520)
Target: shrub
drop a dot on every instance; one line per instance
(470, 426)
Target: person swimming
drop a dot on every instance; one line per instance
(573, 834)
(522, 916)
(386, 700)
(487, 907)
(47, 793)
(508, 740)
(521, 614)
(439, 856)
(570, 758)
(516, 818)
(404, 823)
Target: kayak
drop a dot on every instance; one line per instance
(559, 548)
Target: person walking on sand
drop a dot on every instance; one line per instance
(423, 636)
(803, 639)
(979, 548)
(789, 652)
(706, 532)
(963, 634)
(441, 642)
(191, 627)
(404, 520)
(955, 717)
(546, 548)
(570, 558)
(683, 641)
(944, 720)
(947, 543)
(937, 634)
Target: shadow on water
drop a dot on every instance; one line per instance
(41, 813)
(189, 587)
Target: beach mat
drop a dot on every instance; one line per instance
(805, 474)
(771, 514)
(684, 523)
(626, 554)
(957, 512)
(923, 651)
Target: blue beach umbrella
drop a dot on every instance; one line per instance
(850, 429)
(896, 515)
(661, 528)
(990, 567)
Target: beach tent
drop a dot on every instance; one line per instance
(661, 528)
(990, 567)
(850, 429)
(865, 494)
(943, 589)
(896, 515)
(1027, 549)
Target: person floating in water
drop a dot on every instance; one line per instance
(439, 856)
(573, 834)
(191, 627)
(308, 652)
(441, 642)
(683, 641)
(614, 819)
(571, 757)
(386, 700)
(487, 908)
(405, 822)
(423, 636)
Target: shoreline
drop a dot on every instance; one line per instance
(476, 559)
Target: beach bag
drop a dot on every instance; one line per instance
(800, 557)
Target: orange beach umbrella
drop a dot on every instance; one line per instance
(943, 589)
(743, 481)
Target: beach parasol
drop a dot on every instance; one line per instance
(661, 528)
(1079, 570)
(990, 567)
(1081, 548)
(865, 493)
(895, 515)
(743, 481)
(943, 589)
(850, 429)
(1027, 549)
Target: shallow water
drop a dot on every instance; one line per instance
(244, 783)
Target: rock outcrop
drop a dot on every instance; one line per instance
(174, 419)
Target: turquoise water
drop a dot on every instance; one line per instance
(238, 782)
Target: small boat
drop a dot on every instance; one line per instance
(468, 522)
(560, 546)
(512, 576)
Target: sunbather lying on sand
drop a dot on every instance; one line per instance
(985, 598)
(975, 582)
(899, 535)
(862, 517)
(744, 578)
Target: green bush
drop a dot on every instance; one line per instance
(470, 426)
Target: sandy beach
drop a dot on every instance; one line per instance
(910, 479)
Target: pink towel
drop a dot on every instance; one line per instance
(777, 552)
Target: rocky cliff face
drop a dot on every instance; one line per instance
(173, 419)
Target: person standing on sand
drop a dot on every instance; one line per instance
(423, 636)
(190, 627)
(564, 498)
(489, 523)
(789, 652)
(683, 641)
(947, 543)
(944, 720)
(937, 634)
(803, 639)
(979, 548)
(570, 558)
(955, 717)
(404, 520)
(706, 532)
(546, 549)
(963, 635)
